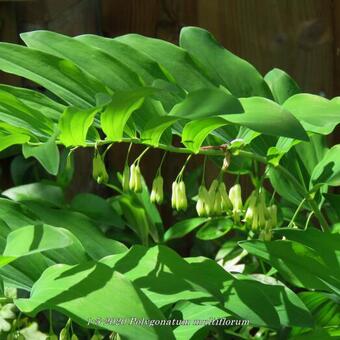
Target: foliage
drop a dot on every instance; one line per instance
(269, 259)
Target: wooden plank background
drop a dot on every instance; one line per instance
(301, 37)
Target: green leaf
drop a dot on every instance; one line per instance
(92, 239)
(39, 192)
(117, 113)
(172, 58)
(74, 125)
(316, 114)
(264, 115)
(270, 305)
(225, 68)
(183, 228)
(8, 140)
(324, 307)
(153, 130)
(195, 132)
(36, 101)
(64, 288)
(206, 102)
(281, 85)
(96, 208)
(103, 67)
(300, 264)
(328, 170)
(215, 228)
(140, 63)
(33, 239)
(17, 114)
(47, 154)
(57, 75)
(186, 310)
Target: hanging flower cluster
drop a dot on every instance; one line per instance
(214, 201)
(258, 217)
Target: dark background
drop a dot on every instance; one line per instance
(301, 37)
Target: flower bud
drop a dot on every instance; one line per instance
(272, 220)
(132, 181)
(226, 203)
(236, 200)
(266, 235)
(200, 208)
(174, 195)
(226, 162)
(138, 179)
(135, 182)
(236, 197)
(157, 190)
(126, 178)
(99, 172)
(182, 202)
(217, 204)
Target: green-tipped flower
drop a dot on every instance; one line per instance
(179, 198)
(182, 203)
(174, 195)
(157, 190)
(135, 182)
(236, 200)
(201, 202)
(226, 203)
(251, 209)
(99, 172)
(272, 220)
(126, 178)
(226, 162)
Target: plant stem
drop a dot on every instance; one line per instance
(221, 152)
(296, 213)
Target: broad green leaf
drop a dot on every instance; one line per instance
(117, 113)
(96, 208)
(57, 75)
(47, 154)
(183, 228)
(17, 114)
(316, 114)
(324, 307)
(281, 85)
(153, 130)
(195, 132)
(174, 59)
(8, 140)
(140, 63)
(105, 68)
(215, 228)
(74, 125)
(186, 310)
(40, 192)
(65, 289)
(14, 214)
(225, 68)
(326, 244)
(35, 239)
(206, 102)
(270, 305)
(264, 115)
(328, 170)
(299, 264)
(36, 101)
(93, 241)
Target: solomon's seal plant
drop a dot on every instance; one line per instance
(264, 257)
